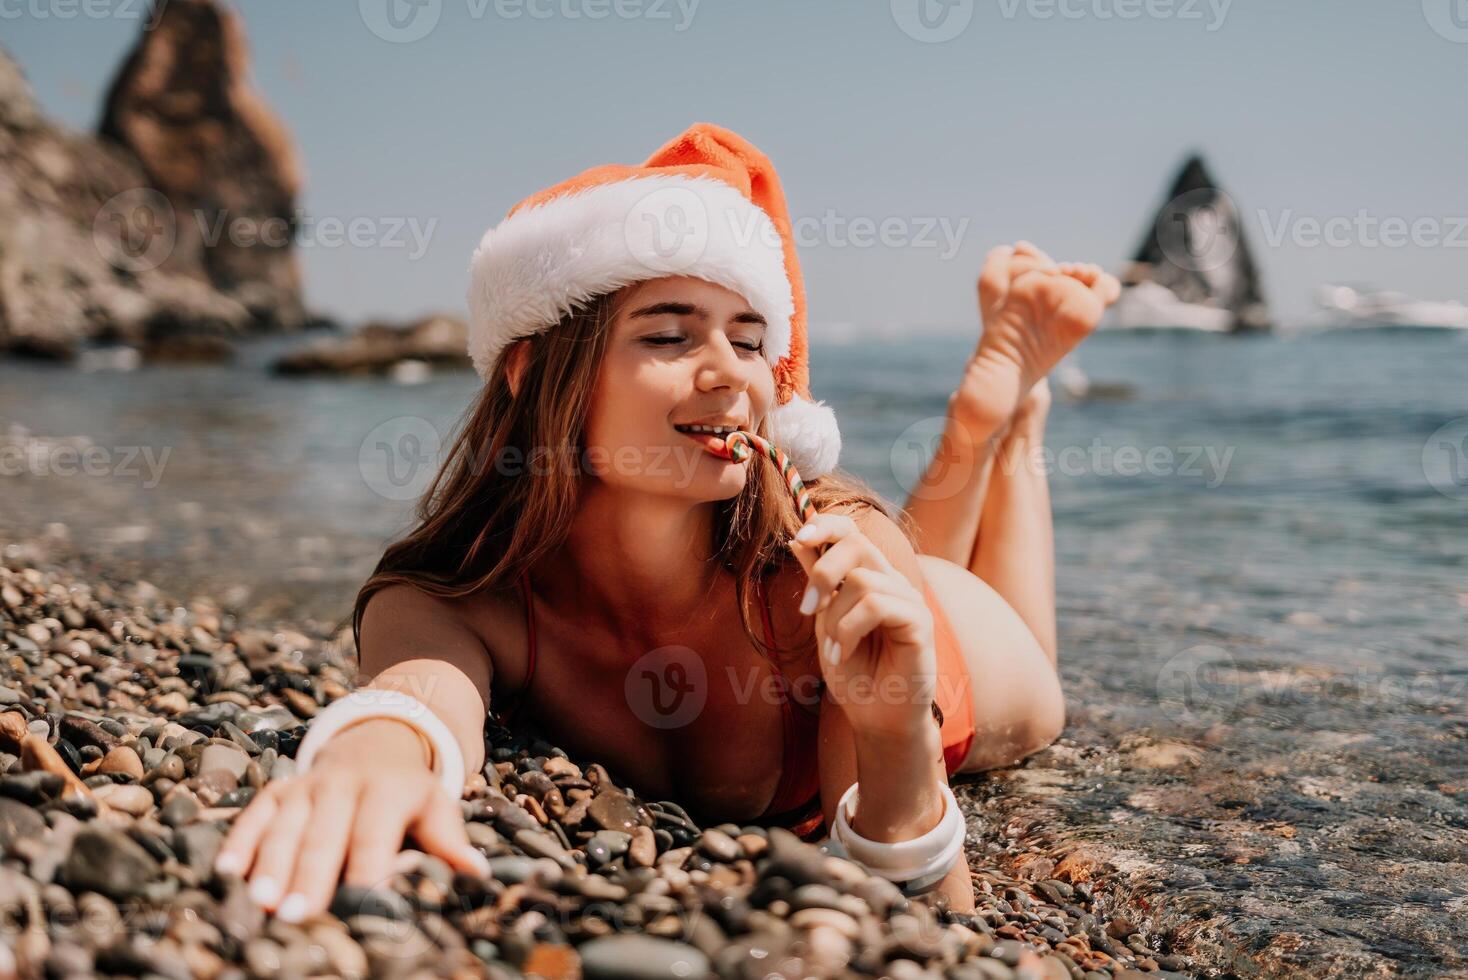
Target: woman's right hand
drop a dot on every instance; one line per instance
(368, 787)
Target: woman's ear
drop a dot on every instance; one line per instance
(518, 358)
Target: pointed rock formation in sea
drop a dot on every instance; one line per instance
(183, 104)
(99, 237)
(1194, 268)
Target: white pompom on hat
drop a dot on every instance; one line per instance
(707, 204)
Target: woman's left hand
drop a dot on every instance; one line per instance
(874, 630)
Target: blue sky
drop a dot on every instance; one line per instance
(1060, 121)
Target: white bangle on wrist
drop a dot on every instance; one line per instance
(367, 703)
(927, 856)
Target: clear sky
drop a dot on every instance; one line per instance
(1060, 121)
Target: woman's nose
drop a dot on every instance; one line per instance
(721, 367)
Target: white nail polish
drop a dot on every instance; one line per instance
(808, 601)
(293, 909)
(480, 861)
(229, 864)
(264, 891)
(806, 532)
(833, 654)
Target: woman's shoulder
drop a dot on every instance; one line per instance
(409, 610)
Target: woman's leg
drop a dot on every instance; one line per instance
(1015, 694)
(1015, 549)
(986, 507)
(982, 509)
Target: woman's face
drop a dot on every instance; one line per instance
(680, 351)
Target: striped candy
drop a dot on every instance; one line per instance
(741, 444)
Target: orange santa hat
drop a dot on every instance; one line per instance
(707, 204)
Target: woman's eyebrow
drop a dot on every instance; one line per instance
(689, 309)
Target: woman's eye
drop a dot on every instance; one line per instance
(752, 347)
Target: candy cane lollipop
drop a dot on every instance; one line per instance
(742, 445)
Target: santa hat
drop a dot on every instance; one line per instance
(707, 205)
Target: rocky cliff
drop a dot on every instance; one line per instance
(175, 219)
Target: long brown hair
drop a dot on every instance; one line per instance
(490, 513)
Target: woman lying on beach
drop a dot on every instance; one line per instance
(611, 606)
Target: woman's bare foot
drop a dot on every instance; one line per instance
(1035, 312)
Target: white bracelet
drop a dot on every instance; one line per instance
(448, 759)
(912, 860)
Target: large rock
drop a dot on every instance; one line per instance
(183, 105)
(1194, 268)
(101, 236)
(379, 348)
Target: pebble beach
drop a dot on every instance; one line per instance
(135, 726)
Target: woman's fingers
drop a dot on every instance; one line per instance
(439, 829)
(827, 573)
(875, 610)
(250, 824)
(819, 530)
(377, 836)
(319, 866)
(276, 861)
(843, 634)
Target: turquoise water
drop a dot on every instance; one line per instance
(1262, 555)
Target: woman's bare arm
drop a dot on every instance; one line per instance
(371, 784)
(418, 644)
(899, 797)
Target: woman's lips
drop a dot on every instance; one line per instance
(712, 443)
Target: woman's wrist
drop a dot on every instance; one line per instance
(384, 740)
(900, 798)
